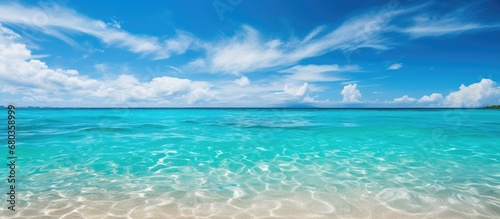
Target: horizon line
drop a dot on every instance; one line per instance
(326, 108)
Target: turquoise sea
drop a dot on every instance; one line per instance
(255, 163)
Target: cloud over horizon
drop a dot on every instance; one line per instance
(351, 94)
(482, 93)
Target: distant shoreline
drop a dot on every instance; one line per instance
(492, 107)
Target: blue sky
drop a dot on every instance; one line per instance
(242, 53)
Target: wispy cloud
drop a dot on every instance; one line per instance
(174, 68)
(431, 25)
(249, 50)
(379, 78)
(317, 72)
(40, 56)
(425, 26)
(61, 22)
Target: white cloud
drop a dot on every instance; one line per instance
(242, 53)
(60, 22)
(243, 81)
(200, 94)
(317, 72)
(433, 98)
(351, 93)
(20, 74)
(478, 94)
(405, 99)
(32, 73)
(249, 51)
(395, 66)
(297, 91)
(266, 92)
(127, 88)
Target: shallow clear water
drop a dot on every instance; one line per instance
(248, 163)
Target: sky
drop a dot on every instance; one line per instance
(250, 53)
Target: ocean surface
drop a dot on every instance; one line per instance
(255, 163)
